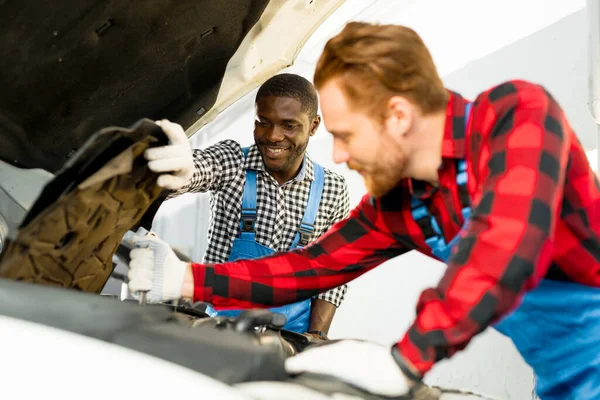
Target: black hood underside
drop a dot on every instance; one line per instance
(72, 67)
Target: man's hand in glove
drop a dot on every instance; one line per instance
(155, 268)
(174, 163)
(368, 366)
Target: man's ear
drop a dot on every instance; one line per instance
(315, 124)
(400, 114)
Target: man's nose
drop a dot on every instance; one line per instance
(275, 135)
(340, 154)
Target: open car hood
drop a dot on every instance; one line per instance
(73, 67)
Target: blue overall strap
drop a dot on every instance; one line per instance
(248, 216)
(307, 226)
(461, 175)
(463, 193)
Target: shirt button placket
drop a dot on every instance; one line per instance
(280, 222)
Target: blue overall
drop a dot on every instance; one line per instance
(556, 328)
(245, 245)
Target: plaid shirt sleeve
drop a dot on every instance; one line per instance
(214, 167)
(336, 295)
(349, 249)
(518, 155)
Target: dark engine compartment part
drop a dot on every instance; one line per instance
(72, 67)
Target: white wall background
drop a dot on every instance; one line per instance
(475, 44)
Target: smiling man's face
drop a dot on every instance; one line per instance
(281, 132)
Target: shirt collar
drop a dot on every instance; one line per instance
(453, 144)
(255, 162)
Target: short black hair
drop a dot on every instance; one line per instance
(293, 86)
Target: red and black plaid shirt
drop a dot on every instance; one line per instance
(536, 214)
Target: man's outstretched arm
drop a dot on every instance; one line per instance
(350, 248)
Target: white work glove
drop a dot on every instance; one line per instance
(174, 162)
(155, 268)
(366, 365)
